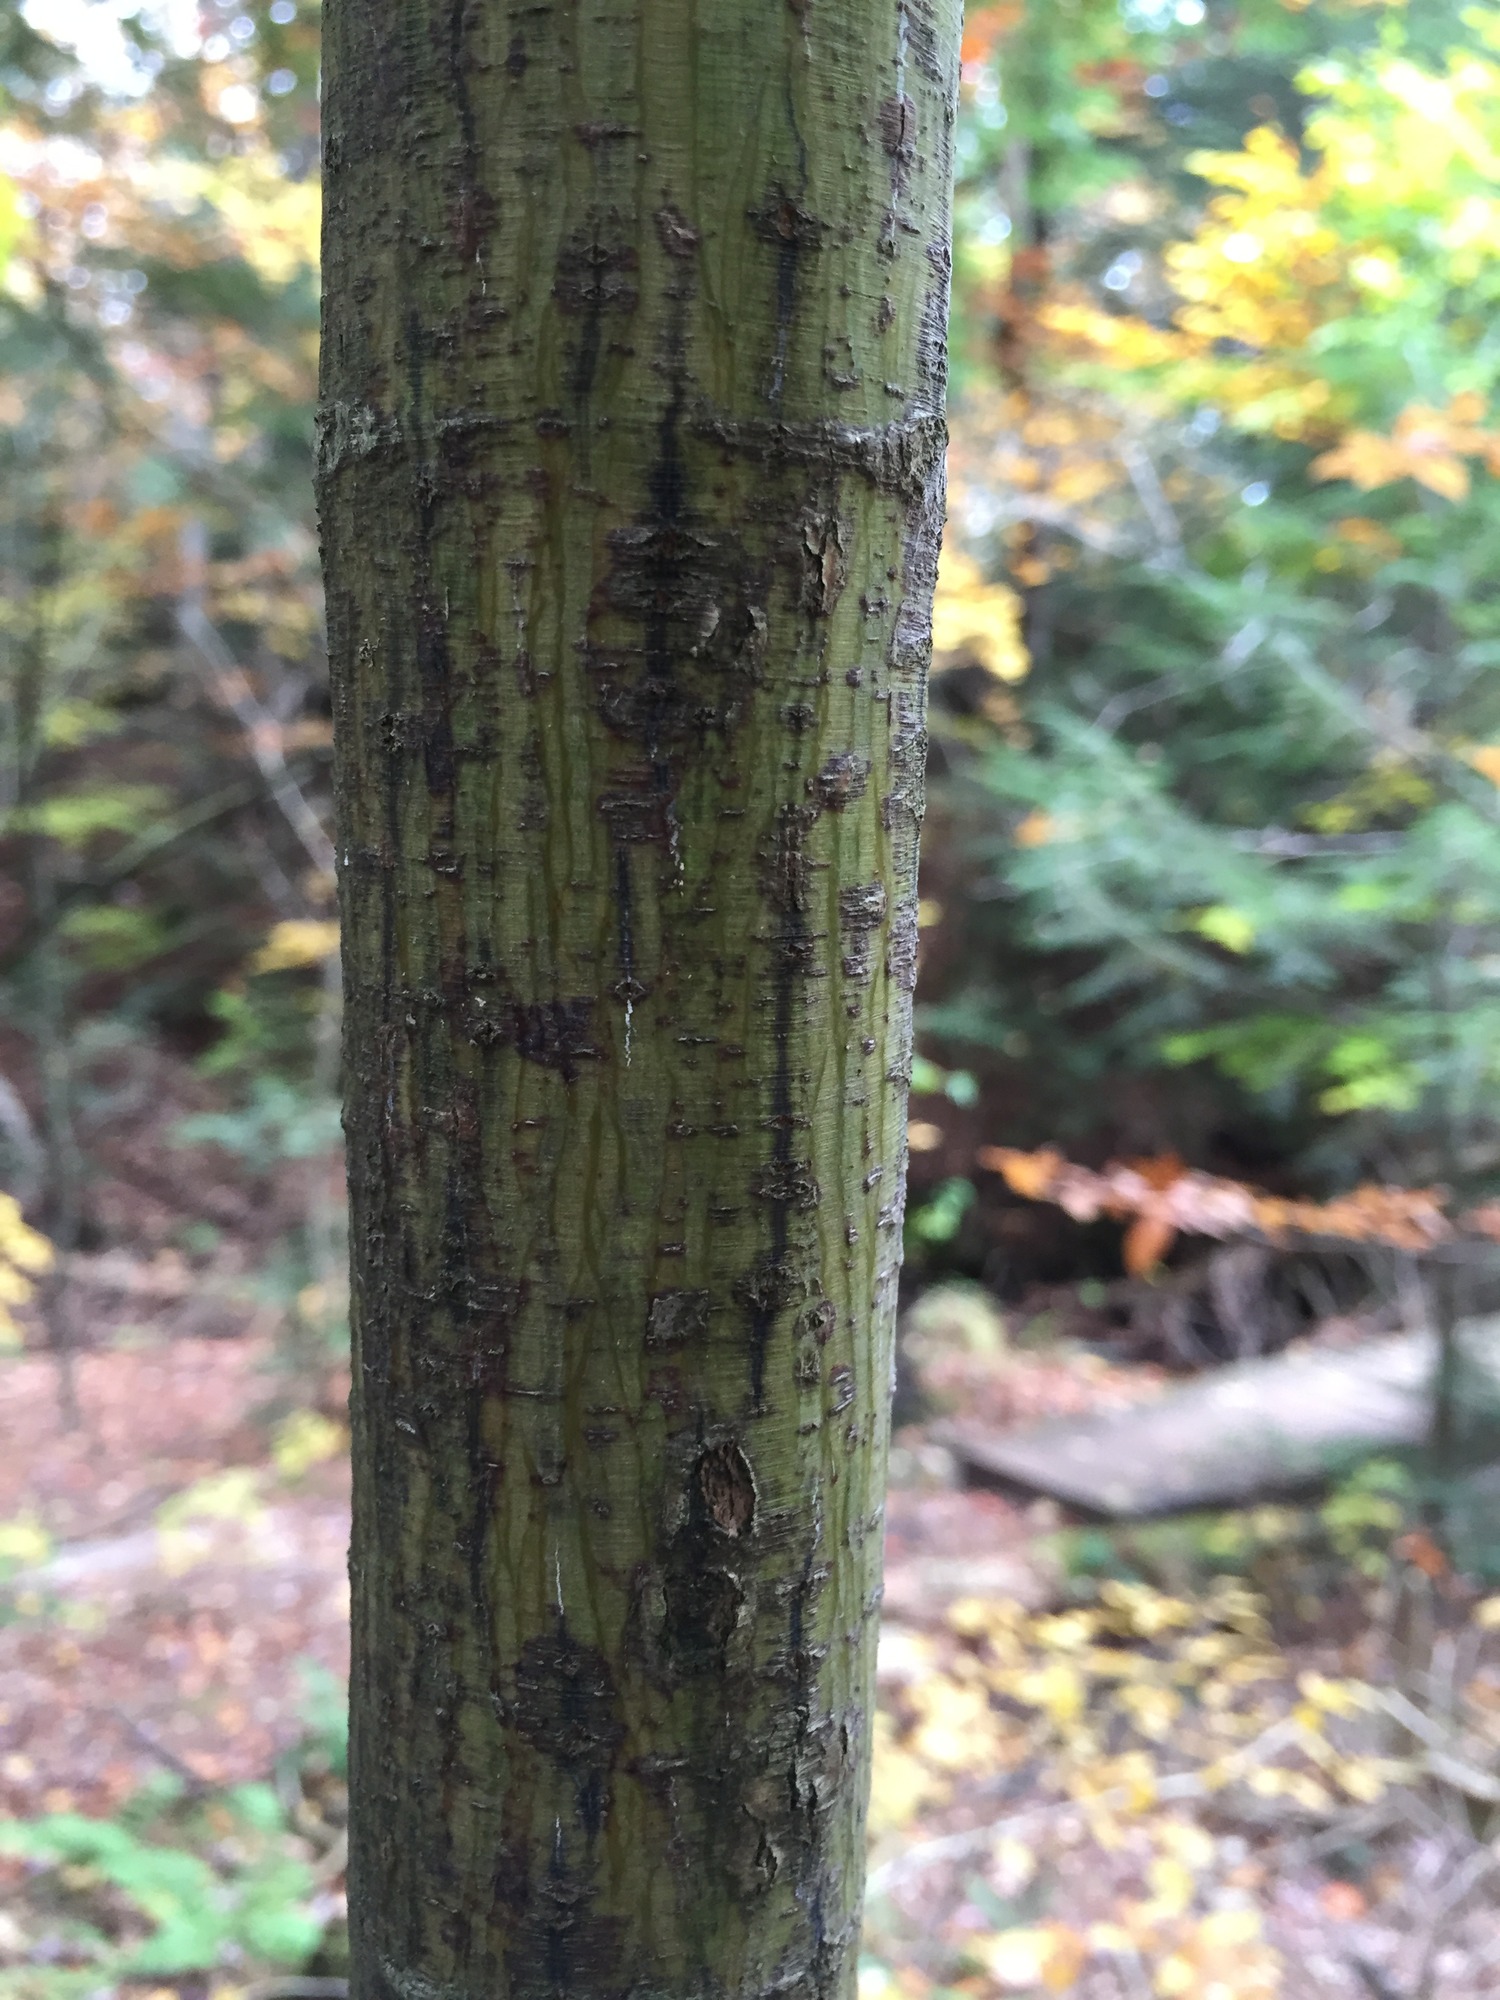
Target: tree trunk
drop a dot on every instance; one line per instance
(630, 468)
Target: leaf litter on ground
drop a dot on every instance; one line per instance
(1255, 1758)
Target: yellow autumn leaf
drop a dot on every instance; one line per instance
(24, 1254)
(977, 1617)
(956, 1723)
(1050, 427)
(1131, 342)
(900, 1784)
(1013, 1865)
(230, 1495)
(1485, 757)
(1332, 1697)
(1146, 1611)
(1175, 1975)
(296, 944)
(1223, 1930)
(1189, 1843)
(24, 1543)
(1441, 473)
(1136, 1776)
(1361, 1778)
(304, 1439)
(15, 1287)
(1058, 1689)
(20, 1244)
(1110, 1938)
(979, 619)
(1047, 1955)
(1083, 480)
(1153, 1710)
(1173, 1885)
(1066, 1632)
(1304, 1790)
(1268, 1781)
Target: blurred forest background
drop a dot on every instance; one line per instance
(1209, 1022)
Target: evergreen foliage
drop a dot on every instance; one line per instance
(1237, 825)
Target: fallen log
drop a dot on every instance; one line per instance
(1257, 1430)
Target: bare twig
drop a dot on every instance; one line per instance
(1155, 505)
(17, 1129)
(232, 685)
(1375, 1981)
(128, 862)
(295, 1987)
(1441, 1761)
(334, 1863)
(166, 1757)
(1277, 843)
(1457, 1892)
(262, 733)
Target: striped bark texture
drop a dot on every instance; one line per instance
(630, 469)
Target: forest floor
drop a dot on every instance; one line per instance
(1213, 1760)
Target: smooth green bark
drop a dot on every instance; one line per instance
(631, 485)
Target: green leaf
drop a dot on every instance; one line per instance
(1224, 926)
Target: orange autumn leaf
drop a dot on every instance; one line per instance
(1368, 460)
(1147, 1241)
(1422, 1552)
(1428, 445)
(983, 28)
(1036, 829)
(1364, 533)
(1343, 1901)
(1180, 1201)
(1028, 1174)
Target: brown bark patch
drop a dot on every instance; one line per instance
(676, 1317)
(727, 1487)
(842, 780)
